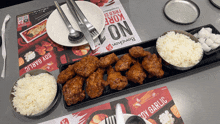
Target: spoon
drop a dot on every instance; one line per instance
(135, 120)
(74, 35)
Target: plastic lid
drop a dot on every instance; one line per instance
(216, 3)
(181, 11)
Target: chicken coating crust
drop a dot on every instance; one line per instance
(153, 65)
(66, 74)
(94, 83)
(115, 79)
(107, 60)
(86, 66)
(138, 52)
(73, 90)
(124, 63)
(136, 73)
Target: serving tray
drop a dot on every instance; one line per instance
(208, 61)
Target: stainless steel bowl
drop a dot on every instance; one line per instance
(35, 72)
(167, 64)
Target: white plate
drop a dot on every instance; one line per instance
(126, 116)
(57, 30)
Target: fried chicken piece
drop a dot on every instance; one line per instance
(136, 73)
(86, 66)
(94, 83)
(115, 79)
(107, 60)
(138, 51)
(73, 90)
(153, 65)
(124, 63)
(66, 74)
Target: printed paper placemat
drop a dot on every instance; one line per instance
(156, 106)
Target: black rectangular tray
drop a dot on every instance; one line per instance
(208, 61)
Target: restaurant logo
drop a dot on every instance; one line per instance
(64, 121)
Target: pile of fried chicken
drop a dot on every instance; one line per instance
(138, 65)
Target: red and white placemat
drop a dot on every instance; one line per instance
(36, 50)
(156, 106)
(119, 31)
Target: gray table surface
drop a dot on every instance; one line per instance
(196, 95)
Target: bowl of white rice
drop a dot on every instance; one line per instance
(34, 93)
(179, 50)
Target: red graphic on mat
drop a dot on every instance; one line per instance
(47, 62)
(23, 46)
(41, 50)
(153, 100)
(156, 106)
(109, 47)
(21, 42)
(99, 3)
(20, 61)
(93, 116)
(98, 118)
(152, 105)
(64, 121)
(46, 46)
(111, 2)
(34, 31)
(23, 21)
(81, 50)
(63, 59)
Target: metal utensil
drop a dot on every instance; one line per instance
(3, 43)
(90, 27)
(119, 114)
(82, 26)
(74, 35)
(110, 120)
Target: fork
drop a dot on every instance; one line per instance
(93, 31)
(111, 120)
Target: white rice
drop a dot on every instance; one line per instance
(179, 50)
(33, 94)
